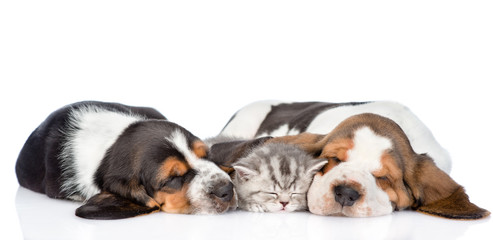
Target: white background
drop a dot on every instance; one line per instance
(200, 61)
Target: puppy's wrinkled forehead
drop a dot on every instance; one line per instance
(194, 153)
(360, 148)
(367, 150)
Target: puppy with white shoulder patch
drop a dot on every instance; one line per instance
(122, 161)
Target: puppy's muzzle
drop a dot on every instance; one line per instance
(223, 192)
(345, 195)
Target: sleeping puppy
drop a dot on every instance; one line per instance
(373, 170)
(277, 118)
(122, 162)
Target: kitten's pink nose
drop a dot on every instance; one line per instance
(284, 204)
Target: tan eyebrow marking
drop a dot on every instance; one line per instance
(173, 166)
(337, 148)
(199, 148)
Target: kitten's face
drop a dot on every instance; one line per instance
(274, 178)
(268, 195)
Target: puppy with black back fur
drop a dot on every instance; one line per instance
(122, 161)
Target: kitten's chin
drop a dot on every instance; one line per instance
(287, 209)
(259, 208)
(296, 210)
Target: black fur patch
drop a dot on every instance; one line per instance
(106, 206)
(296, 115)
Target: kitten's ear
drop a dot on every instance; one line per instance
(244, 173)
(316, 165)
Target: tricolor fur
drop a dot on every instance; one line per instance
(122, 161)
(89, 132)
(277, 118)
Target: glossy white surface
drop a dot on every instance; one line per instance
(199, 61)
(43, 218)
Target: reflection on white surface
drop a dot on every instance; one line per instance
(44, 218)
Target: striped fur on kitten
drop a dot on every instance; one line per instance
(275, 177)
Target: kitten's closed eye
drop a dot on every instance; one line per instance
(271, 194)
(296, 194)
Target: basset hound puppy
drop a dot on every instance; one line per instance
(373, 171)
(378, 163)
(122, 161)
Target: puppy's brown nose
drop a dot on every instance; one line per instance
(224, 192)
(345, 195)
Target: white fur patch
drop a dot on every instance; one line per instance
(180, 142)
(419, 135)
(91, 131)
(208, 176)
(283, 130)
(247, 120)
(367, 150)
(363, 159)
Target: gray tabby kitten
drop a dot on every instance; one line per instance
(274, 177)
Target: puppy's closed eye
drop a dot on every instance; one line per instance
(176, 182)
(383, 181)
(335, 159)
(173, 182)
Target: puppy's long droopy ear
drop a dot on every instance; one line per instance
(309, 142)
(105, 205)
(437, 194)
(225, 154)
